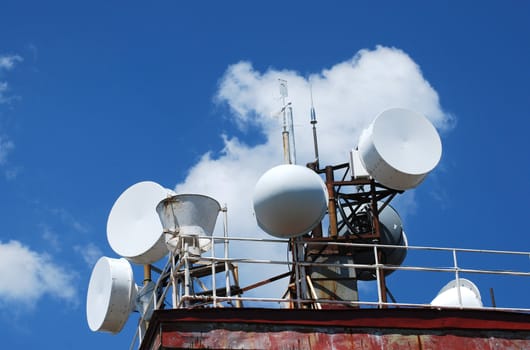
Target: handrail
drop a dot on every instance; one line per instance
(184, 298)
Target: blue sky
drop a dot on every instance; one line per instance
(97, 96)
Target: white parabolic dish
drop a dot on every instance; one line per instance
(400, 148)
(134, 230)
(289, 200)
(110, 296)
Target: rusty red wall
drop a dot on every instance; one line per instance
(337, 329)
(226, 339)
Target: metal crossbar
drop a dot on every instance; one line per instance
(181, 276)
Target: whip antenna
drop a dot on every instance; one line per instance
(314, 122)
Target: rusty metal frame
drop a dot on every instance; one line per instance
(338, 198)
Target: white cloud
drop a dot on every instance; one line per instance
(347, 97)
(89, 252)
(28, 275)
(68, 219)
(3, 90)
(6, 146)
(8, 62)
(51, 237)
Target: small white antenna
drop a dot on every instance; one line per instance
(289, 147)
(283, 90)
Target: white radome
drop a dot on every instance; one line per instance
(289, 200)
(448, 295)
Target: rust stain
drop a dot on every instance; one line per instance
(337, 330)
(288, 339)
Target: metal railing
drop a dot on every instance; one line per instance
(183, 275)
(182, 294)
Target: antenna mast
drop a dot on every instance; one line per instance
(314, 122)
(288, 126)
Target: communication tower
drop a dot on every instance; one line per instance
(336, 220)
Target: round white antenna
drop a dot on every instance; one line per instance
(449, 296)
(289, 200)
(134, 230)
(111, 294)
(400, 148)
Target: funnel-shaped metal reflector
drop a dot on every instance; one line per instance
(188, 215)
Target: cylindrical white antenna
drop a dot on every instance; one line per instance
(314, 122)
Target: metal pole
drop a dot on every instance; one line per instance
(174, 282)
(377, 233)
(147, 279)
(492, 295)
(286, 152)
(301, 257)
(382, 280)
(186, 273)
(214, 284)
(285, 131)
(147, 274)
(457, 279)
(235, 272)
(331, 204)
(378, 276)
(292, 137)
(315, 142)
(297, 273)
(227, 272)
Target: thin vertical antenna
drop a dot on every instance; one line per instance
(285, 131)
(314, 122)
(291, 131)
